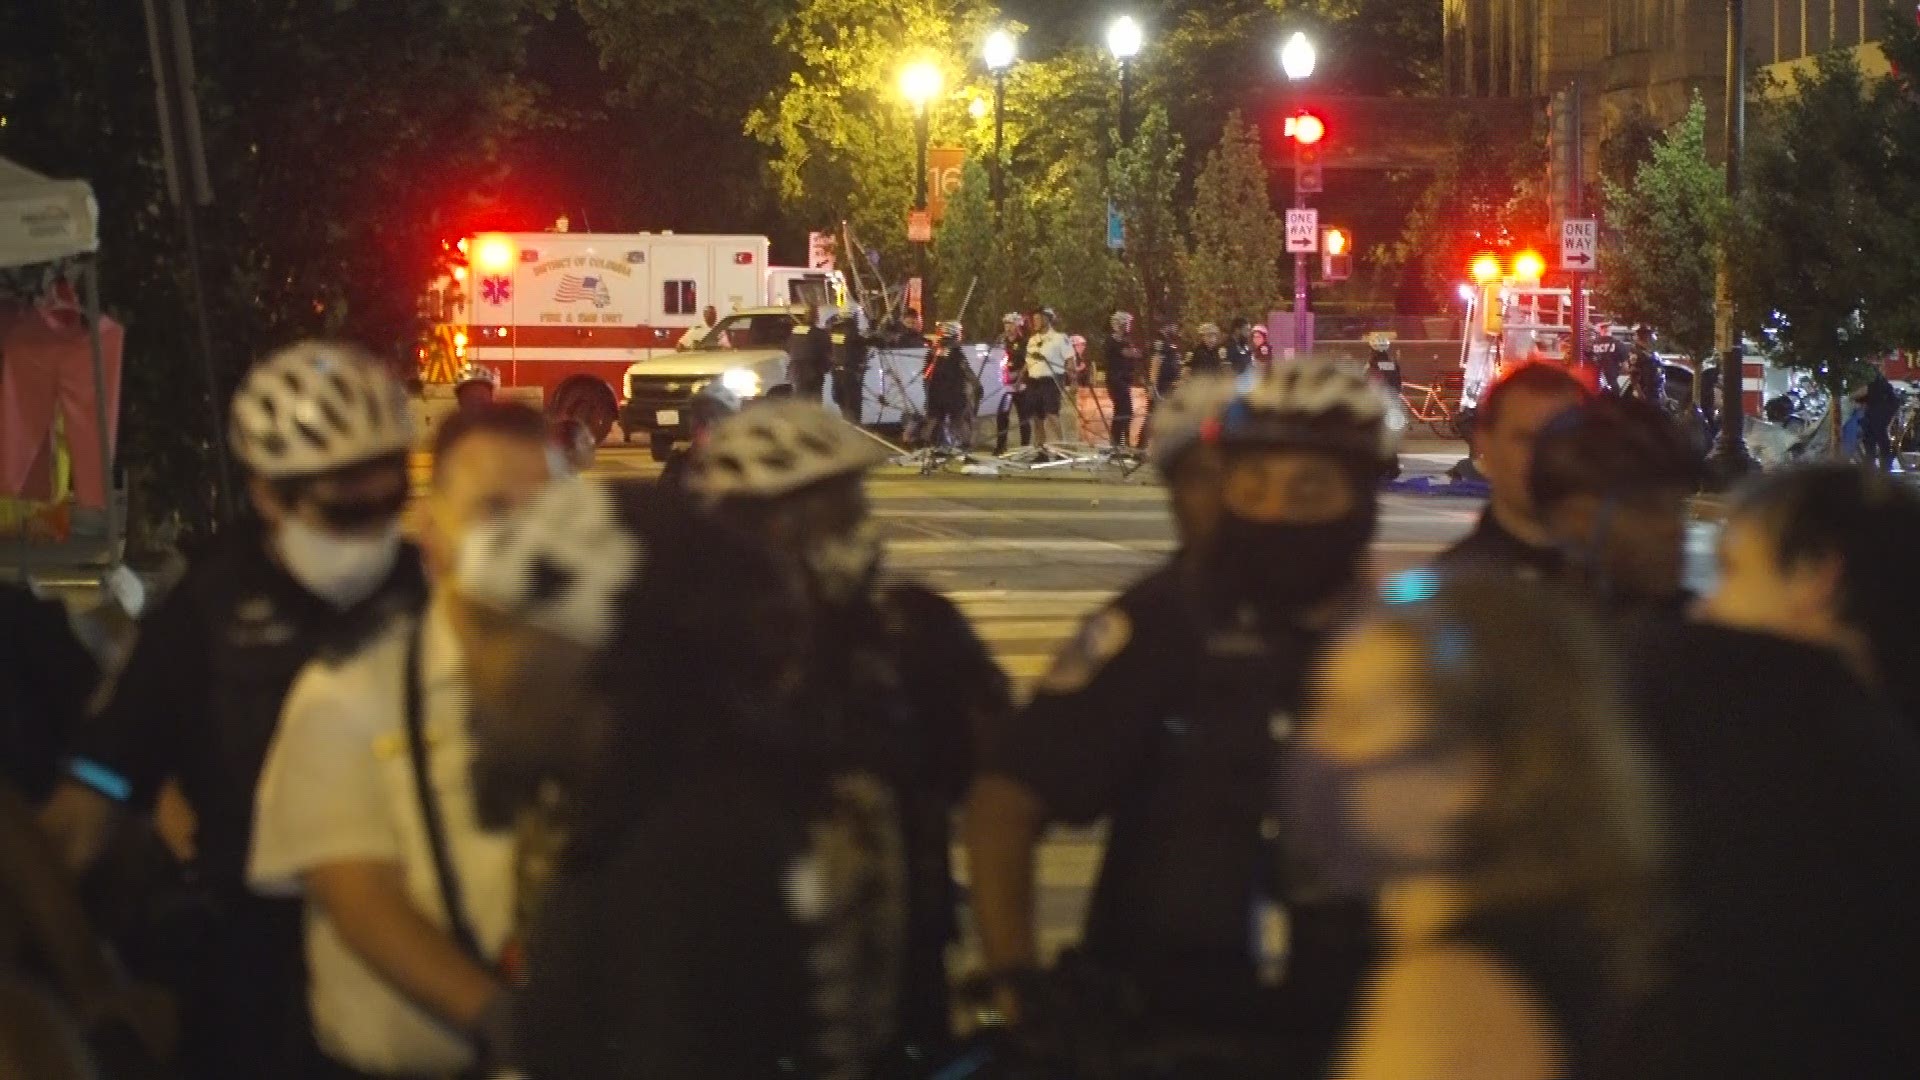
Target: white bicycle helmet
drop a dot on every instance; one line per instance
(776, 449)
(1121, 322)
(561, 563)
(1315, 405)
(477, 373)
(315, 407)
(1181, 420)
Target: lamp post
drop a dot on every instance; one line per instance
(1730, 459)
(1297, 59)
(1001, 50)
(920, 84)
(1123, 41)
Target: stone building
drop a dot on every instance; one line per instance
(1650, 55)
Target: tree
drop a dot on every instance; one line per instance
(994, 259)
(1660, 252)
(1232, 267)
(1627, 144)
(1142, 177)
(341, 138)
(841, 137)
(1486, 196)
(1818, 241)
(1077, 275)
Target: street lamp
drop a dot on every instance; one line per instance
(1297, 57)
(920, 84)
(1001, 50)
(1123, 41)
(1296, 60)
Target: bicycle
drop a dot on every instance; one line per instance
(1428, 404)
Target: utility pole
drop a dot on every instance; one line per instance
(1730, 459)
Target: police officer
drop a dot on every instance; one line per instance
(1381, 362)
(1605, 351)
(1013, 383)
(849, 343)
(1164, 364)
(1166, 715)
(946, 383)
(897, 681)
(1240, 346)
(809, 356)
(1123, 373)
(1645, 379)
(1209, 357)
(324, 432)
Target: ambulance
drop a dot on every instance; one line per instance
(571, 313)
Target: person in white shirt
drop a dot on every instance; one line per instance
(403, 963)
(1048, 353)
(698, 331)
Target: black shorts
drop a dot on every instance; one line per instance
(1043, 397)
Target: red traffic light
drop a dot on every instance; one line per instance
(1305, 128)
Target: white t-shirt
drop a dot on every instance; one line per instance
(338, 786)
(1048, 353)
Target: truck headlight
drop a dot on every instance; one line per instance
(742, 381)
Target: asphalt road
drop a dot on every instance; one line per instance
(1027, 557)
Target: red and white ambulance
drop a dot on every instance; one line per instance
(570, 313)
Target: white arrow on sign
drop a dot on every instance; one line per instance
(1303, 229)
(1579, 244)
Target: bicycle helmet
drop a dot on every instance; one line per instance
(1121, 322)
(1013, 318)
(477, 373)
(1208, 329)
(1179, 420)
(316, 407)
(777, 449)
(1313, 405)
(560, 564)
(950, 331)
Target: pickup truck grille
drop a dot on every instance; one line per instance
(666, 390)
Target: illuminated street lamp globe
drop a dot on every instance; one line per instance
(1124, 38)
(920, 83)
(1297, 57)
(1000, 50)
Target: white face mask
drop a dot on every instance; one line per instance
(343, 570)
(558, 466)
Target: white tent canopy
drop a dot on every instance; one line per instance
(42, 220)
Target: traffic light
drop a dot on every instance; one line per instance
(1308, 133)
(1336, 254)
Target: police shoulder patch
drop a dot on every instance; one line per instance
(1100, 639)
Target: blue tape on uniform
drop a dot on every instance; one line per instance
(101, 779)
(1410, 587)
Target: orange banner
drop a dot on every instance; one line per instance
(944, 164)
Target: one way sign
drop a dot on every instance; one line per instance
(1579, 244)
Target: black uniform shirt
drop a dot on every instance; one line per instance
(1207, 359)
(1491, 543)
(1168, 722)
(201, 694)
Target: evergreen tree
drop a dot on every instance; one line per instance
(1075, 272)
(1232, 268)
(1660, 258)
(1143, 177)
(995, 259)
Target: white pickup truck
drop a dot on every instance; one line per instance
(747, 352)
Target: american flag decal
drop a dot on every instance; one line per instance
(574, 287)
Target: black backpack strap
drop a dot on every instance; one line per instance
(450, 895)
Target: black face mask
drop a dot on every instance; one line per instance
(1285, 567)
(1328, 853)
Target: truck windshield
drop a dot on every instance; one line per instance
(749, 332)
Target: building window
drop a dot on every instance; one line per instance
(681, 298)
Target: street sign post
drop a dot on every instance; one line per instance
(1579, 245)
(1303, 230)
